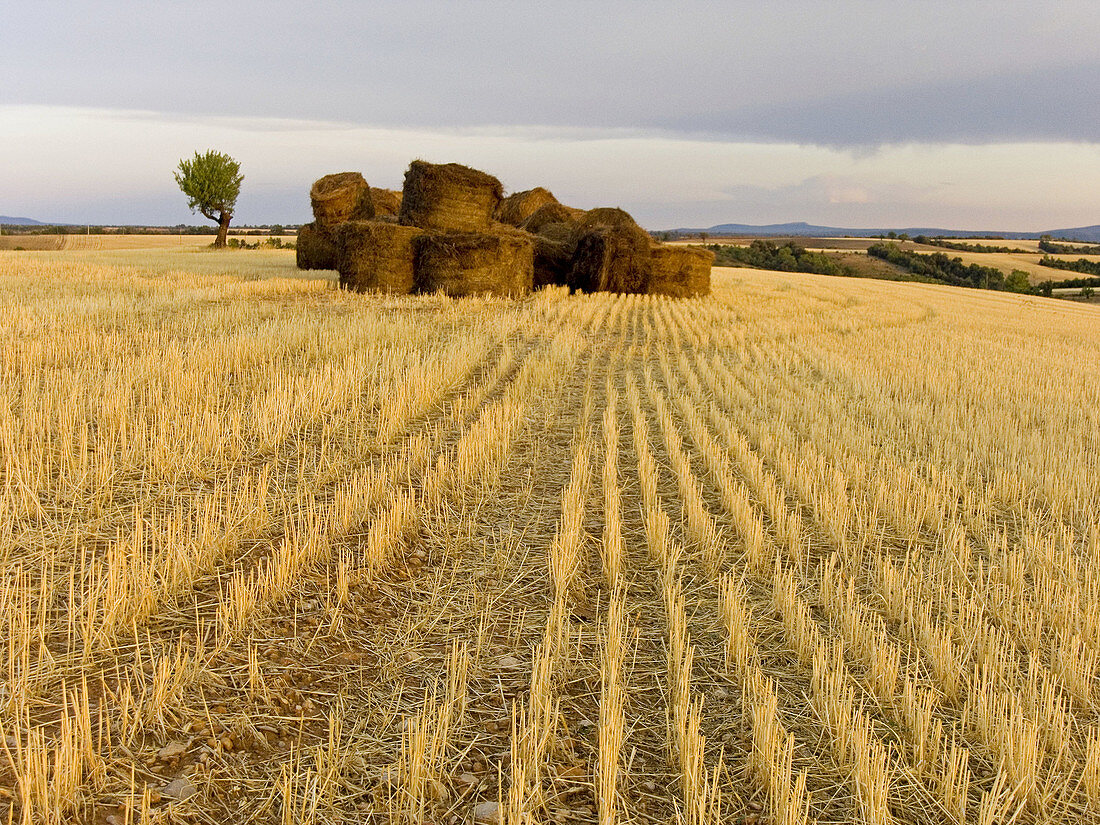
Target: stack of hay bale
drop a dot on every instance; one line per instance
(336, 199)
(461, 250)
(604, 250)
(451, 231)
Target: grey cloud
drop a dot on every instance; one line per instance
(1053, 104)
(844, 72)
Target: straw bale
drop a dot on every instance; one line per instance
(376, 256)
(612, 259)
(475, 263)
(518, 207)
(386, 201)
(551, 213)
(553, 262)
(496, 228)
(315, 248)
(553, 257)
(682, 272)
(605, 217)
(448, 197)
(560, 232)
(341, 197)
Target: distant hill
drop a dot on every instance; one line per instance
(1080, 233)
(20, 221)
(800, 228)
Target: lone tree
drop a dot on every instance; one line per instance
(212, 182)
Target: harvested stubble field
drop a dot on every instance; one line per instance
(39, 243)
(811, 550)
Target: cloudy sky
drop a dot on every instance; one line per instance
(967, 114)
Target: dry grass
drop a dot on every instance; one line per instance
(811, 550)
(108, 242)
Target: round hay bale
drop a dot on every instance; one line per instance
(551, 213)
(315, 248)
(553, 262)
(376, 256)
(448, 197)
(475, 263)
(605, 217)
(518, 207)
(386, 201)
(612, 259)
(680, 271)
(341, 197)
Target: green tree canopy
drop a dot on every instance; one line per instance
(212, 182)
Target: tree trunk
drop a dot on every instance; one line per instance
(223, 230)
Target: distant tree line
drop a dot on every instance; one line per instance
(1086, 285)
(960, 246)
(935, 267)
(181, 229)
(939, 268)
(1052, 248)
(788, 257)
(1081, 265)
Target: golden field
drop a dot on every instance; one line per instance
(1004, 261)
(809, 550)
(53, 243)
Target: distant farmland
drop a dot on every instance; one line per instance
(50, 242)
(844, 247)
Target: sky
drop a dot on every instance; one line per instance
(964, 114)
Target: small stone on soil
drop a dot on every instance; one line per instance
(487, 813)
(179, 788)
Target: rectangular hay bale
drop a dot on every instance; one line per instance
(680, 272)
(553, 262)
(475, 263)
(448, 197)
(612, 259)
(376, 256)
(315, 248)
(386, 201)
